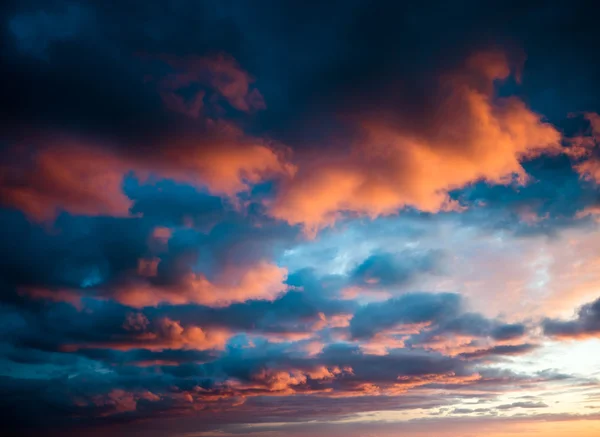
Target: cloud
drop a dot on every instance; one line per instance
(522, 405)
(584, 149)
(586, 324)
(221, 72)
(473, 136)
(84, 178)
(409, 309)
(36, 31)
(258, 282)
(431, 320)
(391, 270)
(163, 334)
(501, 350)
(509, 331)
(471, 410)
(158, 170)
(145, 357)
(80, 179)
(208, 253)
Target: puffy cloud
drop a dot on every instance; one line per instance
(585, 151)
(434, 322)
(406, 310)
(262, 281)
(76, 175)
(121, 401)
(586, 324)
(390, 270)
(51, 170)
(168, 334)
(226, 258)
(473, 136)
(83, 180)
(429, 317)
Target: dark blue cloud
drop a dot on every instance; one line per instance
(444, 314)
(501, 350)
(585, 324)
(408, 309)
(395, 270)
(75, 252)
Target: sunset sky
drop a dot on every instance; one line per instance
(299, 218)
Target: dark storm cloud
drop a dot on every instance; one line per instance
(79, 65)
(345, 55)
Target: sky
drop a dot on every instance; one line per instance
(299, 218)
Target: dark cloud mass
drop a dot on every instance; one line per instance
(281, 218)
(585, 324)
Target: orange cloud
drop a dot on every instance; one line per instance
(474, 136)
(381, 344)
(163, 334)
(280, 380)
(69, 174)
(83, 179)
(584, 149)
(122, 401)
(263, 281)
(453, 344)
(290, 381)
